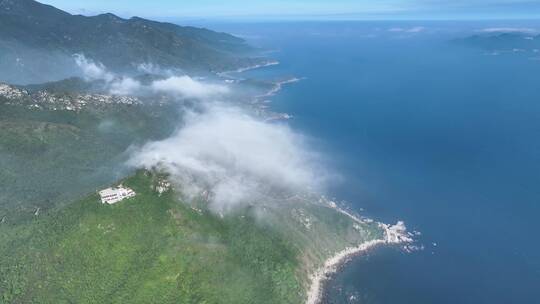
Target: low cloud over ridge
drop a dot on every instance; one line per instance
(220, 151)
(234, 156)
(92, 70)
(186, 86)
(521, 30)
(178, 86)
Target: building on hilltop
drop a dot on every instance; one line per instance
(162, 186)
(114, 195)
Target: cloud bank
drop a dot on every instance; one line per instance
(234, 157)
(177, 86)
(125, 86)
(416, 29)
(92, 70)
(509, 30)
(185, 86)
(220, 151)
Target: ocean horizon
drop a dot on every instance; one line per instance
(421, 129)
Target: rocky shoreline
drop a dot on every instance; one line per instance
(393, 235)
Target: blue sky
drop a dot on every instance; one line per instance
(308, 9)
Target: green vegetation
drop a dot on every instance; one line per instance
(60, 245)
(50, 157)
(157, 249)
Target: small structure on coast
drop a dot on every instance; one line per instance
(114, 195)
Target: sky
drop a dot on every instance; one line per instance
(308, 9)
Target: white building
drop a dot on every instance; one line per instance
(114, 195)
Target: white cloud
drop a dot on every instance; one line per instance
(125, 86)
(150, 68)
(223, 151)
(92, 70)
(234, 156)
(178, 86)
(416, 29)
(186, 86)
(509, 30)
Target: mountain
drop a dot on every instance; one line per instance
(63, 141)
(155, 248)
(60, 244)
(58, 144)
(38, 39)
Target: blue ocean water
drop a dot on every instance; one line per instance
(427, 131)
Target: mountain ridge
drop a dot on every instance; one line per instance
(33, 34)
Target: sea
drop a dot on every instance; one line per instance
(421, 128)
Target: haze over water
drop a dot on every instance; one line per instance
(427, 131)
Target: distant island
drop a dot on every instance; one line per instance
(504, 40)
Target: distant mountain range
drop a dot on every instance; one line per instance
(37, 43)
(504, 41)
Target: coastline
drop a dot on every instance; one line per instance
(257, 66)
(393, 235)
(278, 86)
(247, 68)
